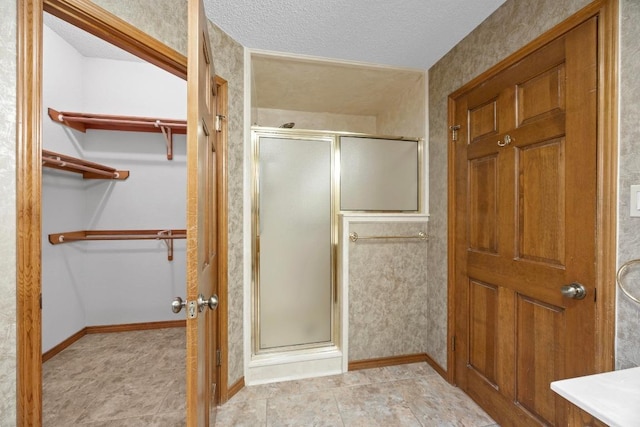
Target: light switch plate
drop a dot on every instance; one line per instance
(634, 202)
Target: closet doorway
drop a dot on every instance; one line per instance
(97, 21)
(98, 342)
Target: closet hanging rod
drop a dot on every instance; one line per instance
(74, 236)
(62, 164)
(354, 237)
(89, 170)
(167, 235)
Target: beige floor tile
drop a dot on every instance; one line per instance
(175, 398)
(261, 391)
(374, 405)
(137, 379)
(63, 401)
(124, 401)
(437, 403)
(311, 409)
(250, 413)
(126, 378)
(176, 419)
(411, 370)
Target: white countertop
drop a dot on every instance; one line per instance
(612, 397)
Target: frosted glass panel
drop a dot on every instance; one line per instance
(378, 174)
(295, 242)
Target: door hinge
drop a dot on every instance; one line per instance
(454, 132)
(218, 358)
(595, 294)
(453, 343)
(40, 301)
(219, 119)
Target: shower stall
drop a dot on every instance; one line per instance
(302, 182)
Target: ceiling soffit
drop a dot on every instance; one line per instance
(329, 87)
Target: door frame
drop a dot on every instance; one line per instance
(607, 152)
(97, 21)
(222, 150)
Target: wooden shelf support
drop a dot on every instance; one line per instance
(89, 170)
(84, 121)
(167, 235)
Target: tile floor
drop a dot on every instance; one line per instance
(136, 379)
(118, 379)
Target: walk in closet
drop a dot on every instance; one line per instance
(113, 206)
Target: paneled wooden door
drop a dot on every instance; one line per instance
(202, 256)
(525, 205)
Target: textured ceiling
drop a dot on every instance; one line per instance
(409, 34)
(403, 33)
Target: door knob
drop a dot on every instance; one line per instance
(177, 304)
(574, 290)
(212, 302)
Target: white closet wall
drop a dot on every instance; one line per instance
(113, 282)
(63, 311)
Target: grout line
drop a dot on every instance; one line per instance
(335, 399)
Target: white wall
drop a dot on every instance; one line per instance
(115, 282)
(132, 281)
(63, 313)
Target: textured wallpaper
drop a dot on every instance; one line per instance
(7, 213)
(229, 63)
(405, 115)
(628, 315)
(509, 28)
(271, 117)
(165, 20)
(388, 294)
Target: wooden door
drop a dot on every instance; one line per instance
(202, 260)
(526, 180)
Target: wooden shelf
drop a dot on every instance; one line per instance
(84, 121)
(88, 170)
(168, 236)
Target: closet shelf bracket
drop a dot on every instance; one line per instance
(89, 170)
(168, 236)
(168, 136)
(84, 121)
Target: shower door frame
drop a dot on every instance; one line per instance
(333, 343)
(339, 313)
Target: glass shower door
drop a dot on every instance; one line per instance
(294, 224)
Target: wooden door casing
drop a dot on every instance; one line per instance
(202, 268)
(221, 371)
(526, 221)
